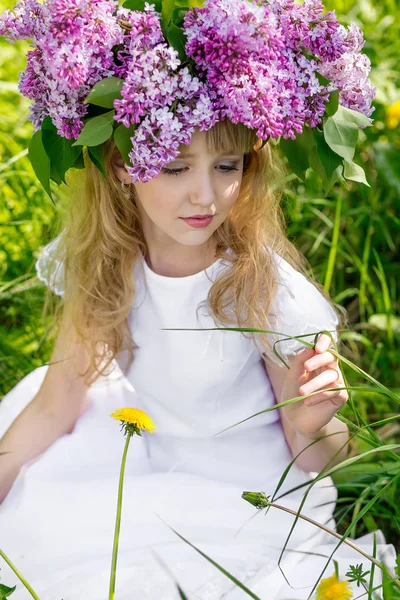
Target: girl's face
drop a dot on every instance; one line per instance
(196, 183)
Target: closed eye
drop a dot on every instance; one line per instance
(223, 168)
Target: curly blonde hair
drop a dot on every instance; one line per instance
(102, 239)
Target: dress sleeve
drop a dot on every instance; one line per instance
(298, 309)
(50, 269)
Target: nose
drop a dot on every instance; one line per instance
(203, 190)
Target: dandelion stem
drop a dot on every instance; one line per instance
(336, 535)
(18, 574)
(118, 519)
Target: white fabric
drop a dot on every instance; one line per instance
(49, 269)
(57, 522)
(298, 309)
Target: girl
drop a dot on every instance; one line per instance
(208, 228)
(183, 235)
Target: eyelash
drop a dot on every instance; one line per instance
(175, 172)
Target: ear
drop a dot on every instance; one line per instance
(119, 167)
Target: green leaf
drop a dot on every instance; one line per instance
(179, 15)
(336, 176)
(122, 139)
(317, 166)
(60, 150)
(139, 4)
(6, 591)
(177, 39)
(104, 92)
(333, 103)
(352, 116)
(355, 172)
(134, 4)
(322, 80)
(328, 159)
(167, 11)
(297, 152)
(96, 130)
(97, 159)
(157, 4)
(79, 163)
(40, 161)
(341, 136)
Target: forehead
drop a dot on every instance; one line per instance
(223, 138)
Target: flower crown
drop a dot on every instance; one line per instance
(149, 73)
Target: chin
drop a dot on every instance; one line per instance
(195, 240)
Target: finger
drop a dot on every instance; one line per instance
(323, 343)
(321, 360)
(297, 362)
(337, 397)
(320, 381)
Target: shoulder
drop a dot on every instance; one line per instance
(298, 309)
(297, 291)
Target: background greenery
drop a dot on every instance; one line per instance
(360, 268)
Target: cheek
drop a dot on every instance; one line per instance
(162, 202)
(229, 192)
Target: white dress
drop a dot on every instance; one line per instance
(57, 523)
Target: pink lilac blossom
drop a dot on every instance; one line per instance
(73, 41)
(157, 139)
(143, 34)
(263, 59)
(26, 22)
(241, 49)
(159, 95)
(336, 51)
(251, 62)
(350, 74)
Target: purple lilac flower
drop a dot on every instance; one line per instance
(257, 63)
(72, 51)
(157, 139)
(337, 52)
(151, 81)
(26, 22)
(144, 34)
(241, 48)
(350, 74)
(159, 96)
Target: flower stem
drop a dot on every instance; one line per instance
(118, 519)
(18, 574)
(336, 535)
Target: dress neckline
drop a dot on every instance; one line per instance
(178, 281)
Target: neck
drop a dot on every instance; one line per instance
(180, 262)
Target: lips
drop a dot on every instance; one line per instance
(198, 217)
(199, 221)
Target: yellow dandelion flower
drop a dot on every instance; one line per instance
(393, 115)
(134, 420)
(333, 589)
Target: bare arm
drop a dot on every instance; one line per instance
(319, 454)
(52, 413)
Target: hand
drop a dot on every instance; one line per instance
(312, 370)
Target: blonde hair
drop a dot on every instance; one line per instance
(103, 238)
